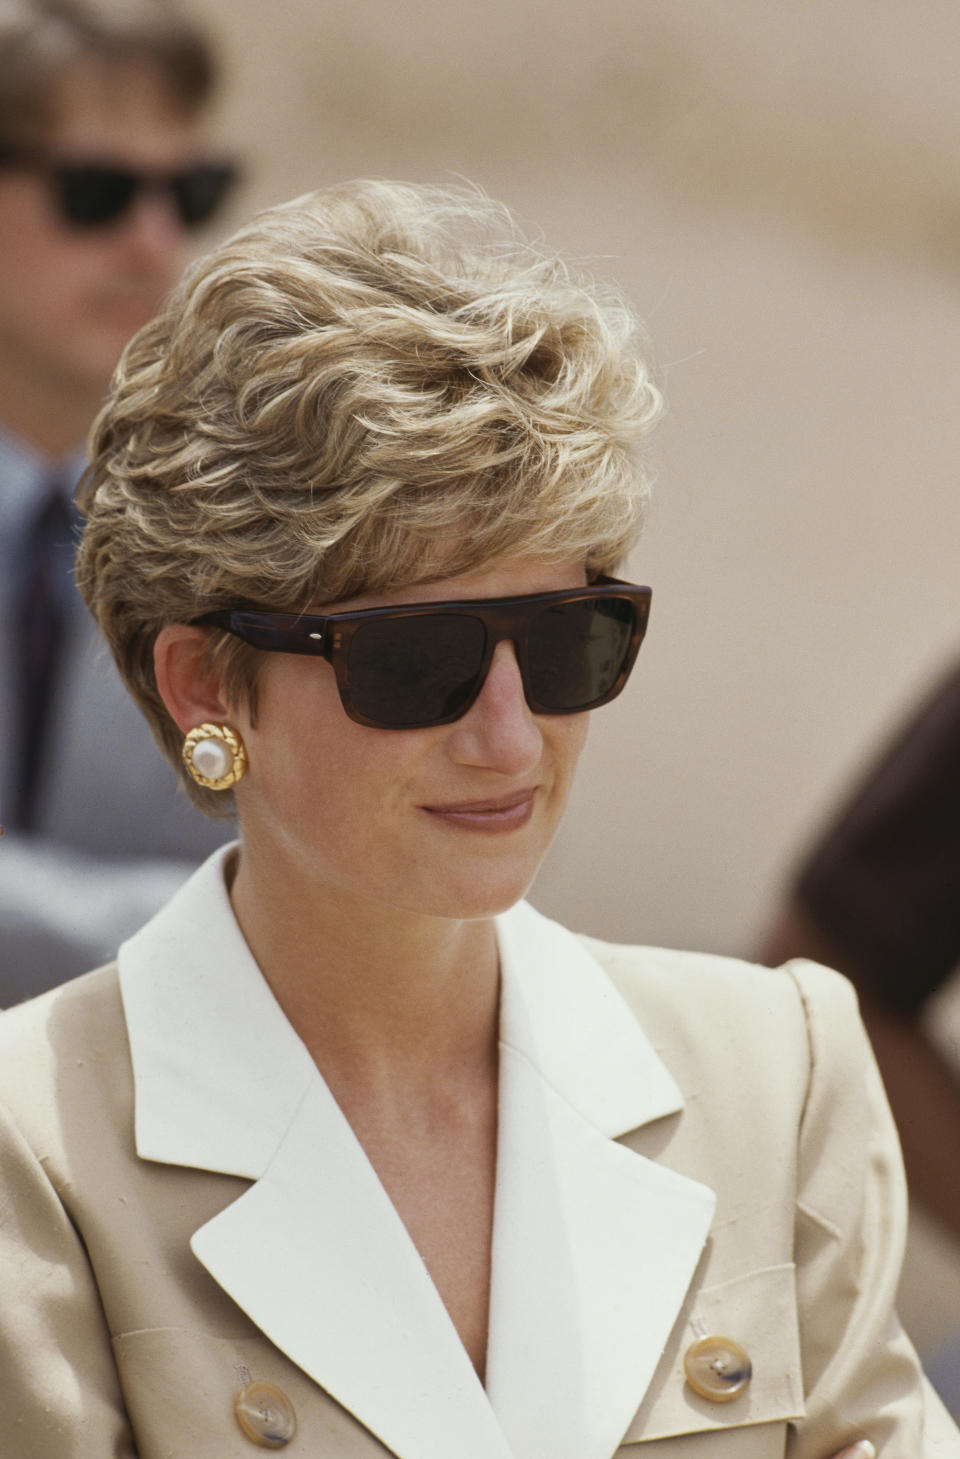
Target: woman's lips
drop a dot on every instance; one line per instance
(506, 813)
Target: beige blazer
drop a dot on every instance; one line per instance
(688, 1147)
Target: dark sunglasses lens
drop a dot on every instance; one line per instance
(575, 652)
(200, 190)
(89, 196)
(407, 672)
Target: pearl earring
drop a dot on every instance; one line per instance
(215, 756)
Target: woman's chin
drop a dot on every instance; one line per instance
(483, 897)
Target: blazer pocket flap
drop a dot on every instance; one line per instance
(753, 1316)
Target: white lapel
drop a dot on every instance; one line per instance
(594, 1246)
(313, 1251)
(316, 1255)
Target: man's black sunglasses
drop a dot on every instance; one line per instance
(424, 664)
(92, 192)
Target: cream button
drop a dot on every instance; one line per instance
(717, 1368)
(266, 1415)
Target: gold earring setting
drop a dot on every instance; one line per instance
(215, 756)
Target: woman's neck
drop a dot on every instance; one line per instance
(400, 1013)
(384, 999)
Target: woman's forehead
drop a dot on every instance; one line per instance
(513, 577)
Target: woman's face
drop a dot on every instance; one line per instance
(450, 821)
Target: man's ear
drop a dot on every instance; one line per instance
(187, 685)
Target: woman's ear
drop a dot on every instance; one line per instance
(187, 684)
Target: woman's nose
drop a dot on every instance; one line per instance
(498, 731)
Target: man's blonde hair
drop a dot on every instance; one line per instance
(372, 386)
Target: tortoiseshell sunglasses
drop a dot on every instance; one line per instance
(424, 664)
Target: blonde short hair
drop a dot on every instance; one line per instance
(371, 386)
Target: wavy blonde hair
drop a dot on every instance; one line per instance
(371, 386)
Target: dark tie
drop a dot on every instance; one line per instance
(40, 611)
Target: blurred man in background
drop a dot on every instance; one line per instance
(103, 172)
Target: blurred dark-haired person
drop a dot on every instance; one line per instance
(103, 173)
(878, 896)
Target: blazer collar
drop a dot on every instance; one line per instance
(218, 1070)
(593, 1248)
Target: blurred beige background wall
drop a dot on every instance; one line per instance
(777, 188)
